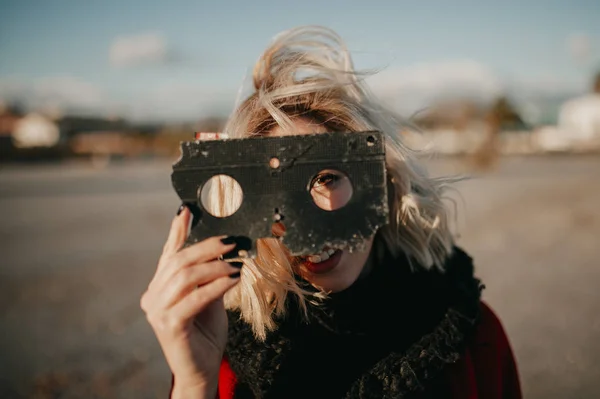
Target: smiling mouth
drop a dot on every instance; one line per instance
(324, 255)
(322, 262)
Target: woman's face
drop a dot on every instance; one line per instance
(329, 270)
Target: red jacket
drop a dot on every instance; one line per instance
(486, 371)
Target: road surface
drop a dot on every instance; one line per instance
(80, 245)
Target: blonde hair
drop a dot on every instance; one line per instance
(307, 72)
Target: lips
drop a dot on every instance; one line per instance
(324, 266)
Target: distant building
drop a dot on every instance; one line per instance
(71, 126)
(9, 116)
(85, 135)
(34, 131)
(580, 117)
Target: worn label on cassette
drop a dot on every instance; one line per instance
(327, 190)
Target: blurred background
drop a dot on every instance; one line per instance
(95, 97)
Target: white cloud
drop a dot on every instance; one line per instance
(411, 88)
(579, 46)
(142, 49)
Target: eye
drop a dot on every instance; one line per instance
(330, 189)
(324, 180)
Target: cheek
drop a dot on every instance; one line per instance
(341, 197)
(322, 200)
(332, 200)
(359, 258)
(355, 260)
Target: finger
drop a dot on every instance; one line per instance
(178, 232)
(202, 252)
(189, 279)
(200, 298)
(205, 251)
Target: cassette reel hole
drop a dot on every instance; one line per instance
(330, 189)
(221, 196)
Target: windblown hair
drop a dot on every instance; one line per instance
(308, 73)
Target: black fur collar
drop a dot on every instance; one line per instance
(388, 336)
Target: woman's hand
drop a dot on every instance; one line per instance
(184, 306)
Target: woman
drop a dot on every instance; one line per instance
(401, 318)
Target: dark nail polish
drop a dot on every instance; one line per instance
(231, 254)
(181, 208)
(228, 240)
(235, 275)
(237, 264)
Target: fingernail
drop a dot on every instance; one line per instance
(235, 275)
(181, 208)
(237, 264)
(228, 240)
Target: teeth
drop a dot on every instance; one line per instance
(323, 256)
(314, 259)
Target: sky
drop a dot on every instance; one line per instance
(183, 60)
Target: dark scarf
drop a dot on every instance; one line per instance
(387, 336)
